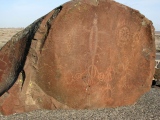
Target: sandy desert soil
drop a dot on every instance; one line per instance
(147, 107)
(7, 33)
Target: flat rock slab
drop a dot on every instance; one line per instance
(82, 55)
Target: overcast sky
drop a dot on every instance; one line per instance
(21, 13)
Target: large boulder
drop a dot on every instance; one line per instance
(82, 55)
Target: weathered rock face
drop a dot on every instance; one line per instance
(81, 55)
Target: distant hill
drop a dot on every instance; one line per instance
(157, 32)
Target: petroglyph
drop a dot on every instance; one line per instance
(70, 41)
(91, 72)
(124, 39)
(108, 79)
(124, 36)
(136, 42)
(92, 75)
(93, 39)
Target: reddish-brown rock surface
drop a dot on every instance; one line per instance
(81, 55)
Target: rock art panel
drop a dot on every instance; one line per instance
(82, 55)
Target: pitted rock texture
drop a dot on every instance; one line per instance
(82, 55)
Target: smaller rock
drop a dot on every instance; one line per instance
(158, 66)
(157, 74)
(156, 82)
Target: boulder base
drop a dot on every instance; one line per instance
(82, 55)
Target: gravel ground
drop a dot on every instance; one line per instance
(147, 108)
